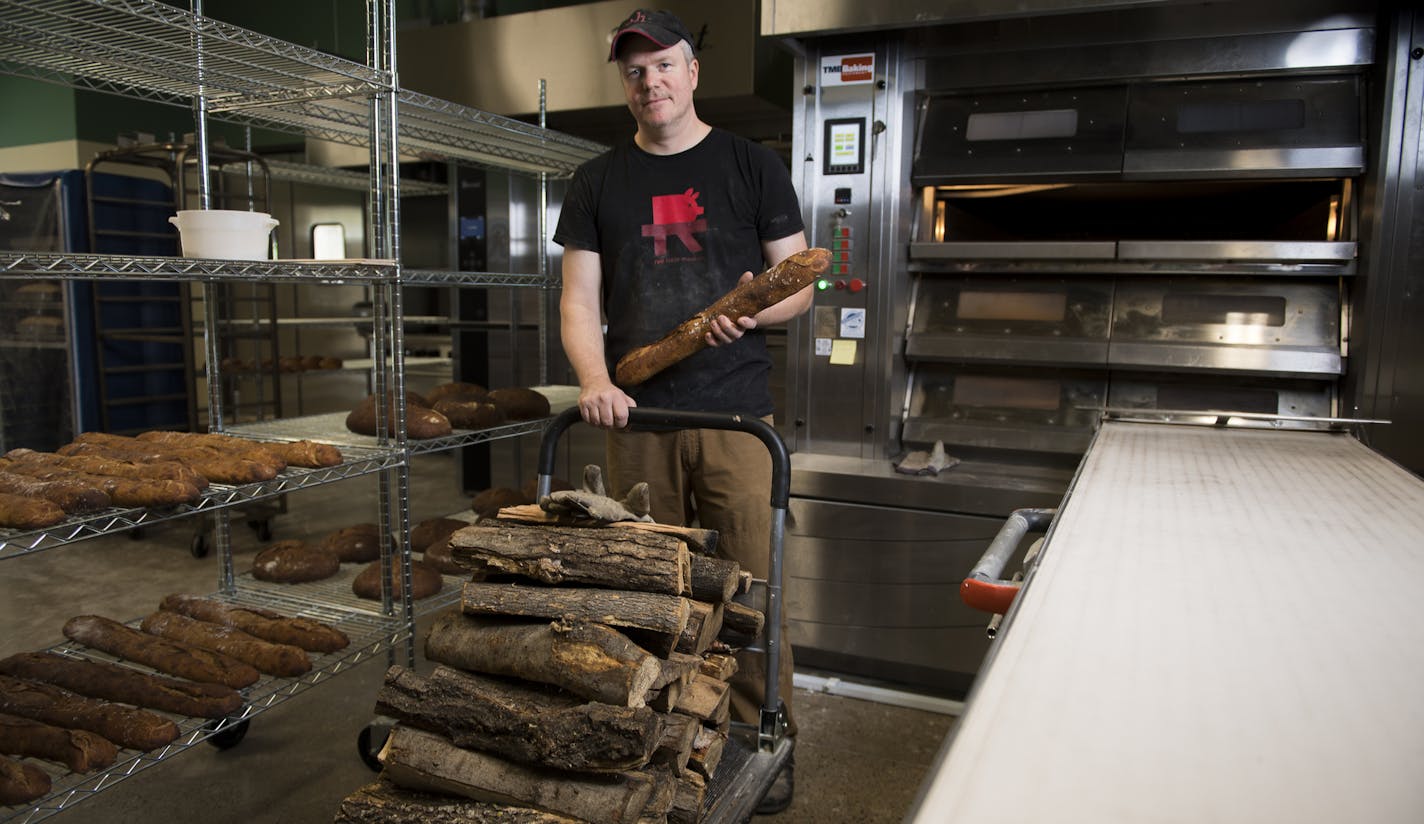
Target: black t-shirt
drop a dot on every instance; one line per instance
(674, 233)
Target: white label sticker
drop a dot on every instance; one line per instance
(852, 323)
(823, 346)
(848, 69)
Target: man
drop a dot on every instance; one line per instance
(653, 231)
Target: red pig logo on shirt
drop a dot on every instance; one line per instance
(677, 216)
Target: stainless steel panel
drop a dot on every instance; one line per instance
(1019, 408)
(974, 486)
(1029, 321)
(780, 18)
(1146, 164)
(1278, 327)
(881, 584)
(1288, 399)
(976, 250)
(1237, 250)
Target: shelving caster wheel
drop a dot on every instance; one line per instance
(199, 547)
(230, 737)
(263, 528)
(371, 740)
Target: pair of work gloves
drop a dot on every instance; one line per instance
(592, 503)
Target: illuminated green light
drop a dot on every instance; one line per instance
(822, 284)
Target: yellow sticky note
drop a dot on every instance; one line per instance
(843, 352)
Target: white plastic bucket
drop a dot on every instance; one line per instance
(226, 234)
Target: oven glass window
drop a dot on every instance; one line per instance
(1034, 125)
(1248, 116)
(1231, 310)
(1048, 307)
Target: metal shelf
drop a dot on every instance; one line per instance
(370, 634)
(333, 178)
(359, 460)
(335, 593)
(332, 429)
(86, 267)
(439, 277)
(149, 50)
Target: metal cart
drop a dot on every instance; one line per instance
(754, 754)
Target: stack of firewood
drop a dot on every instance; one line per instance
(585, 677)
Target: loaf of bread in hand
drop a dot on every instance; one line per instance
(281, 660)
(79, 750)
(125, 726)
(113, 682)
(21, 783)
(171, 657)
(310, 635)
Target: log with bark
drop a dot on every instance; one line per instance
(687, 805)
(698, 540)
(706, 699)
(675, 746)
(704, 624)
(715, 579)
(589, 660)
(617, 559)
(384, 803)
(707, 746)
(654, 621)
(718, 665)
(678, 666)
(665, 699)
(521, 722)
(741, 620)
(770, 287)
(427, 762)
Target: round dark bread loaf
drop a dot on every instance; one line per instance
(456, 390)
(354, 544)
(294, 562)
(431, 530)
(470, 414)
(520, 404)
(420, 420)
(425, 581)
(488, 503)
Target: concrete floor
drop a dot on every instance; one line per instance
(857, 760)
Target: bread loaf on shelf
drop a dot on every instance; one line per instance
(360, 543)
(470, 414)
(214, 465)
(519, 403)
(171, 657)
(79, 750)
(126, 726)
(421, 422)
(306, 453)
(281, 660)
(114, 682)
(115, 467)
(425, 581)
(455, 390)
(23, 512)
(310, 635)
(240, 448)
(294, 562)
(20, 782)
(74, 497)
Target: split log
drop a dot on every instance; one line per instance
(704, 624)
(706, 699)
(687, 805)
(675, 746)
(702, 541)
(664, 793)
(719, 665)
(384, 803)
(616, 559)
(657, 620)
(665, 699)
(744, 582)
(707, 748)
(522, 723)
(589, 660)
(420, 760)
(740, 619)
(715, 579)
(678, 666)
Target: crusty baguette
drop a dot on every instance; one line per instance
(74, 497)
(98, 465)
(767, 289)
(215, 465)
(121, 491)
(171, 657)
(125, 726)
(21, 782)
(310, 635)
(274, 659)
(79, 750)
(24, 512)
(305, 453)
(226, 444)
(114, 682)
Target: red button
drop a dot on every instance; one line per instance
(840, 284)
(856, 284)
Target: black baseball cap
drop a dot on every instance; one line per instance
(661, 27)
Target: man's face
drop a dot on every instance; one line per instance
(657, 83)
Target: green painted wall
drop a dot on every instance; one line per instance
(35, 112)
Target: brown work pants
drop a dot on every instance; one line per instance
(722, 481)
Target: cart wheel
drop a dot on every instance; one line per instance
(199, 546)
(230, 737)
(369, 743)
(263, 529)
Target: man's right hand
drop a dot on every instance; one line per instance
(604, 405)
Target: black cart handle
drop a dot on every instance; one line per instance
(651, 419)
